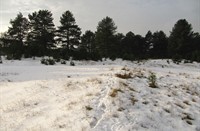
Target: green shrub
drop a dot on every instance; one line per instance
(152, 80)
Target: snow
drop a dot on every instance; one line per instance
(90, 97)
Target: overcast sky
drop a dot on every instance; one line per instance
(137, 16)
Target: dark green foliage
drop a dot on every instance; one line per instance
(159, 43)
(127, 46)
(183, 42)
(13, 40)
(19, 28)
(87, 48)
(105, 37)
(68, 34)
(177, 59)
(40, 39)
(195, 53)
(134, 47)
(180, 39)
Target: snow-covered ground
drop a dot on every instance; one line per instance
(91, 97)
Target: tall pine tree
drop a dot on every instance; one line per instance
(105, 37)
(180, 39)
(41, 35)
(88, 44)
(159, 45)
(69, 34)
(17, 33)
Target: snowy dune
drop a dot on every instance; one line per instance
(90, 97)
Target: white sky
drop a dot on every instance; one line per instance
(137, 16)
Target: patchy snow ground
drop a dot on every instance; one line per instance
(90, 97)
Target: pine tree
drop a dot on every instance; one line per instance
(105, 36)
(139, 47)
(69, 33)
(127, 46)
(17, 33)
(195, 53)
(180, 39)
(88, 40)
(148, 40)
(41, 35)
(159, 45)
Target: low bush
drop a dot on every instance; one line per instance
(72, 63)
(188, 61)
(168, 62)
(48, 61)
(176, 59)
(44, 61)
(63, 62)
(51, 61)
(1, 60)
(9, 57)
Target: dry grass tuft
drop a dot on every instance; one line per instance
(124, 76)
(88, 108)
(188, 118)
(120, 109)
(114, 92)
(145, 102)
(166, 110)
(94, 80)
(194, 100)
(186, 102)
(180, 105)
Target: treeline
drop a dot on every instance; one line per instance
(38, 36)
